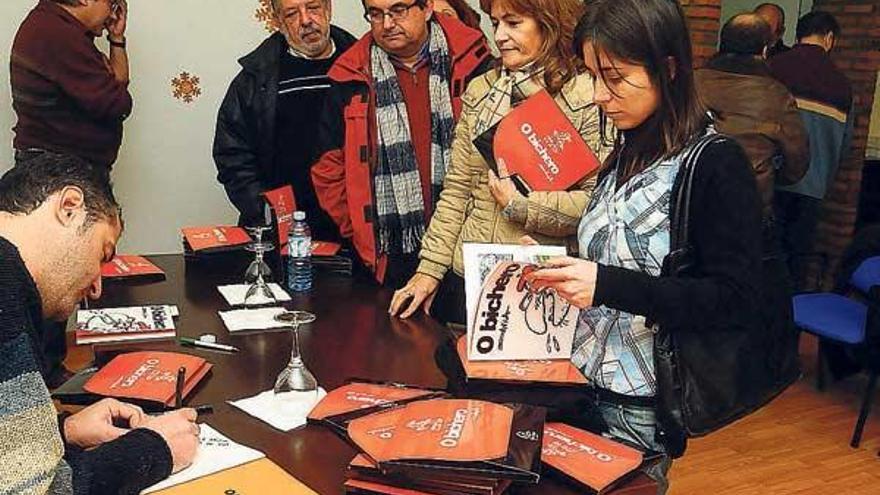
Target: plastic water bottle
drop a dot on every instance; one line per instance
(299, 261)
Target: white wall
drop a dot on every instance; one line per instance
(794, 9)
(165, 176)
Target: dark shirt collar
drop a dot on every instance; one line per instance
(424, 56)
(739, 64)
(809, 47)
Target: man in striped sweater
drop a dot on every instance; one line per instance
(59, 221)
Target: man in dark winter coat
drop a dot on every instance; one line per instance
(266, 128)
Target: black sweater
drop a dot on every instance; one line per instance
(726, 234)
(126, 465)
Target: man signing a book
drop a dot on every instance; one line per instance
(59, 221)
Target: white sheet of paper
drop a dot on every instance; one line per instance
(480, 260)
(283, 411)
(216, 453)
(234, 294)
(239, 320)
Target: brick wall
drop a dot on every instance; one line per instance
(857, 53)
(704, 18)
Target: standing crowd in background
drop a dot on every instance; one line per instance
(376, 136)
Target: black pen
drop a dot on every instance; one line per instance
(200, 409)
(178, 389)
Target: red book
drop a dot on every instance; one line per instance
(325, 248)
(540, 147)
(360, 398)
(121, 324)
(215, 238)
(558, 371)
(588, 459)
(369, 488)
(129, 265)
(439, 438)
(283, 205)
(147, 376)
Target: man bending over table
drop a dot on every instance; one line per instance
(59, 221)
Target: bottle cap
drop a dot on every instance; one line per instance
(299, 215)
(208, 337)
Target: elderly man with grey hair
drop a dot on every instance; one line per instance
(266, 127)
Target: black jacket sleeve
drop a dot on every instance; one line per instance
(125, 466)
(726, 235)
(236, 150)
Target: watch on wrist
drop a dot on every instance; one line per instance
(117, 44)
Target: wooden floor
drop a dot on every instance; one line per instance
(798, 444)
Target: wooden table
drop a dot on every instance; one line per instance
(352, 337)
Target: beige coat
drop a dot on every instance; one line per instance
(467, 212)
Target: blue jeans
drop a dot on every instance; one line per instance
(637, 425)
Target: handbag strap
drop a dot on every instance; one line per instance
(680, 216)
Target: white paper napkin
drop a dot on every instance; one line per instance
(284, 411)
(216, 453)
(239, 320)
(234, 294)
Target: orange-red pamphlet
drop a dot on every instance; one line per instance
(147, 376)
(559, 371)
(592, 460)
(214, 238)
(283, 204)
(443, 437)
(129, 265)
(360, 398)
(539, 146)
(262, 476)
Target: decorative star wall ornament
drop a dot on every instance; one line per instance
(266, 14)
(185, 87)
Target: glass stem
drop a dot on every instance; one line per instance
(295, 359)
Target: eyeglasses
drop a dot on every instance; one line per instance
(397, 12)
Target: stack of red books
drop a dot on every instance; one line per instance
(444, 446)
(418, 441)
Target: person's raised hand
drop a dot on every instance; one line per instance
(572, 278)
(118, 21)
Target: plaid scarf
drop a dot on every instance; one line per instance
(510, 88)
(400, 212)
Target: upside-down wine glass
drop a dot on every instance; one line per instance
(258, 291)
(295, 377)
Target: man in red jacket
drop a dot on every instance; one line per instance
(70, 98)
(387, 126)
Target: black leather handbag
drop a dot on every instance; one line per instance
(709, 378)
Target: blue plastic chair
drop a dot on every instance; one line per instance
(850, 321)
